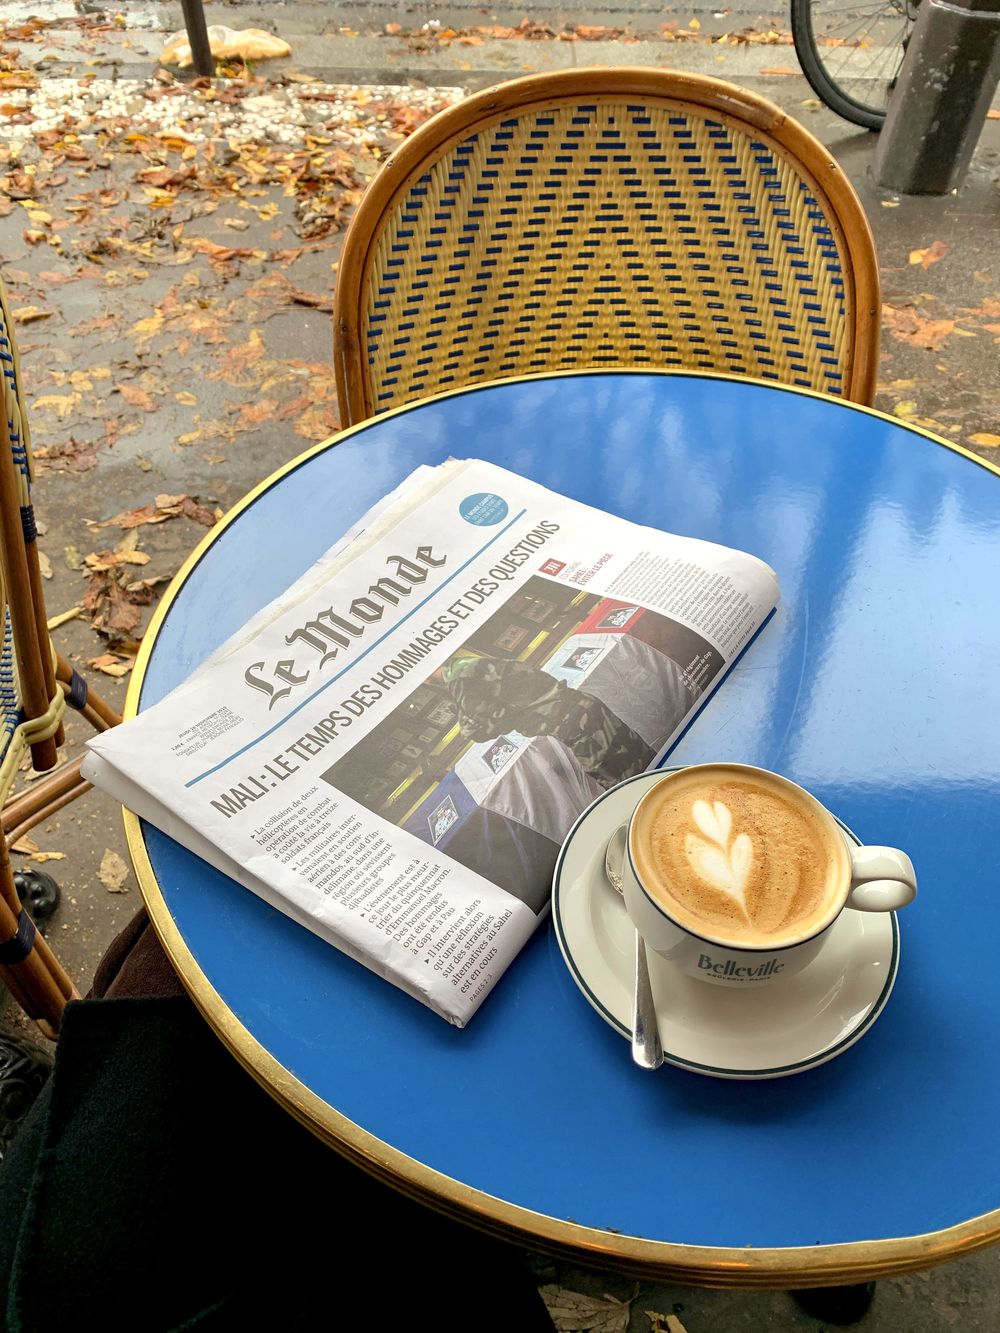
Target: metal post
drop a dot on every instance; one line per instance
(197, 31)
(949, 75)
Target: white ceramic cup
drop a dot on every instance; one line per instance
(873, 879)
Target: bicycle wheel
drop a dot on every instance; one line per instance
(851, 51)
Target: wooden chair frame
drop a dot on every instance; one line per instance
(542, 92)
(47, 684)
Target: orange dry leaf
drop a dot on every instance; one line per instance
(95, 325)
(252, 414)
(124, 553)
(111, 665)
(134, 518)
(236, 362)
(317, 423)
(315, 299)
(137, 397)
(780, 69)
(925, 258)
(28, 847)
(910, 327)
(200, 513)
(70, 455)
(111, 610)
(219, 254)
(985, 440)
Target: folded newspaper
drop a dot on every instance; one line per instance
(392, 752)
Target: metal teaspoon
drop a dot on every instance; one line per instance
(647, 1051)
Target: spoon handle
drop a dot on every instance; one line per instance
(646, 1049)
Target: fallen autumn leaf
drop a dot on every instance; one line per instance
(931, 255)
(664, 1323)
(572, 1312)
(113, 872)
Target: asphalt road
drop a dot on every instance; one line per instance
(371, 16)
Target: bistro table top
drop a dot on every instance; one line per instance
(876, 686)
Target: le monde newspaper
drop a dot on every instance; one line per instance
(392, 752)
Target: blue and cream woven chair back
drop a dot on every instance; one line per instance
(605, 218)
(36, 685)
(21, 724)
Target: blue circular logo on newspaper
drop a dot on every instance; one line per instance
(483, 509)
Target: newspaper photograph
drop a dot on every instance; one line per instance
(393, 751)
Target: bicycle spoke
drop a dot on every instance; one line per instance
(852, 50)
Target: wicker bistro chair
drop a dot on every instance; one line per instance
(35, 686)
(603, 218)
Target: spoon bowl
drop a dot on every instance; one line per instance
(614, 859)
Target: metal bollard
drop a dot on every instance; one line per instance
(197, 31)
(946, 84)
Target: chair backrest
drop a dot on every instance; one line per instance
(36, 686)
(31, 703)
(605, 218)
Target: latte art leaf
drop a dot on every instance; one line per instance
(710, 863)
(714, 820)
(741, 856)
(724, 867)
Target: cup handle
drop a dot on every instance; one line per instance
(882, 879)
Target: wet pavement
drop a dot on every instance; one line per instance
(170, 251)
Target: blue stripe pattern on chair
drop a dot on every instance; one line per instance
(605, 233)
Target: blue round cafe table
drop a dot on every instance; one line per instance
(876, 686)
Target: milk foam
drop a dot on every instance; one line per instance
(722, 863)
(737, 857)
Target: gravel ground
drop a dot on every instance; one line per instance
(282, 115)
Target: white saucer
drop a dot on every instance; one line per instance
(760, 1032)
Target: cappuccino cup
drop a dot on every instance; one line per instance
(736, 875)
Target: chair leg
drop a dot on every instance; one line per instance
(38, 605)
(17, 585)
(49, 794)
(42, 799)
(837, 1305)
(27, 965)
(36, 990)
